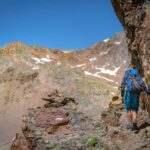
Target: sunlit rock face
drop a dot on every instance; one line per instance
(135, 18)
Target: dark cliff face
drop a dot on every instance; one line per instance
(135, 18)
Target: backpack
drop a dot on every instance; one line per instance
(133, 81)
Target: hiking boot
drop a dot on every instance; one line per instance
(135, 126)
(129, 127)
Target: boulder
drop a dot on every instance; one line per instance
(116, 103)
(59, 126)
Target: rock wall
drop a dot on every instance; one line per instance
(135, 18)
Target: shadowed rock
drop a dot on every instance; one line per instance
(135, 18)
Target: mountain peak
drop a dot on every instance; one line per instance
(12, 48)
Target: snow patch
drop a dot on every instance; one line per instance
(108, 71)
(106, 40)
(105, 78)
(42, 60)
(112, 93)
(66, 51)
(80, 65)
(92, 59)
(59, 119)
(46, 59)
(88, 73)
(117, 42)
(35, 68)
(38, 61)
(97, 75)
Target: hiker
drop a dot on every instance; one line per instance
(131, 87)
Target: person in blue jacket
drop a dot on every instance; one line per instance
(131, 87)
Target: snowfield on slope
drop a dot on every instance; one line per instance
(97, 75)
(42, 60)
(108, 71)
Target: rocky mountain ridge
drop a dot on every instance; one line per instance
(27, 73)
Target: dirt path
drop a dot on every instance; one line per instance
(11, 117)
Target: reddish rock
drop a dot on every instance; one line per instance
(45, 122)
(20, 143)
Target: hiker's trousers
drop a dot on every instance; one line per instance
(131, 101)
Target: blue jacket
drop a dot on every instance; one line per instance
(124, 83)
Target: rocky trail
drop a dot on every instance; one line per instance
(60, 125)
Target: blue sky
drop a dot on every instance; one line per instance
(62, 24)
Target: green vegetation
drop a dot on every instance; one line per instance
(115, 98)
(92, 141)
(50, 144)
